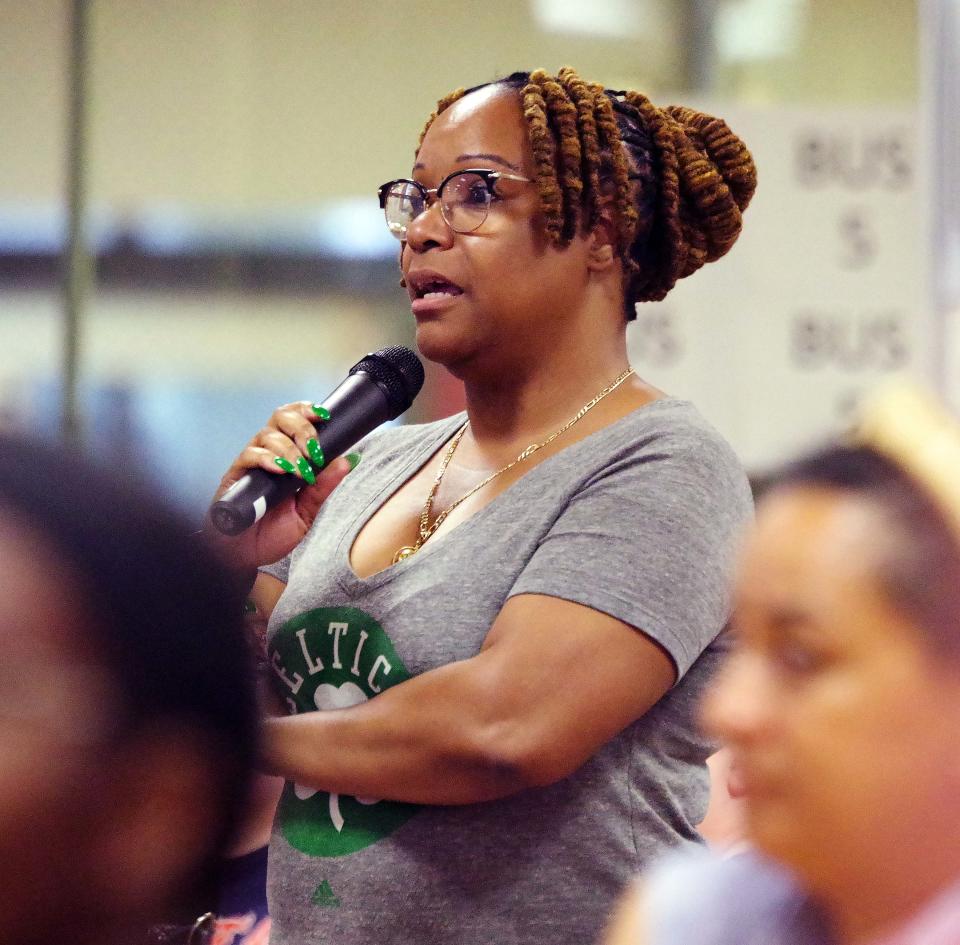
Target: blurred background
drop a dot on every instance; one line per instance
(227, 254)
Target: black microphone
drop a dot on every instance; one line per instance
(378, 388)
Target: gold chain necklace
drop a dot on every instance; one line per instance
(426, 529)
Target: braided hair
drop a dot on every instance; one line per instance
(679, 179)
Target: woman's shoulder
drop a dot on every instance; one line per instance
(671, 436)
(744, 899)
(673, 422)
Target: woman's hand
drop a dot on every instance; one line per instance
(286, 444)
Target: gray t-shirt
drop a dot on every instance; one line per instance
(639, 520)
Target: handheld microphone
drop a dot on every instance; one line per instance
(378, 388)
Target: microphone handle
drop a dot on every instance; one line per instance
(356, 407)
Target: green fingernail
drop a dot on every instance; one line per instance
(305, 470)
(316, 453)
(285, 464)
(249, 607)
(353, 459)
(321, 412)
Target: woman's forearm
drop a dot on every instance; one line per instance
(423, 741)
(487, 726)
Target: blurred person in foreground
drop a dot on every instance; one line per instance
(841, 707)
(127, 714)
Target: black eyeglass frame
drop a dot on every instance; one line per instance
(489, 177)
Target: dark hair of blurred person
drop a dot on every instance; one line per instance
(127, 713)
(841, 708)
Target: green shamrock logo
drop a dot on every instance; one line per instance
(333, 658)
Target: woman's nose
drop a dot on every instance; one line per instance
(429, 230)
(737, 707)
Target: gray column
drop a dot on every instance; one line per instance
(77, 276)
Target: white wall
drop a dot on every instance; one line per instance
(260, 103)
(256, 103)
(231, 107)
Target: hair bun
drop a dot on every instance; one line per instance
(713, 137)
(707, 178)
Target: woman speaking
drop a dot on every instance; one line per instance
(506, 617)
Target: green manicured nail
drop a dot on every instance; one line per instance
(285, 464)
(249, 607)
(321, 412)
(316, 453)
(306, 471)
(353, 459)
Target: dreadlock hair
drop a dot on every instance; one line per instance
(679, 179)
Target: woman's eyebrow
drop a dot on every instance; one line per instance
(489, 157)
(469, 157)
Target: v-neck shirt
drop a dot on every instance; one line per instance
(639, 520)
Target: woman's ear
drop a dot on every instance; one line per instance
(602, 246)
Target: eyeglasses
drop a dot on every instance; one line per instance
(465, 198)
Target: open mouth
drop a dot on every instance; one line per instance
(433, 287)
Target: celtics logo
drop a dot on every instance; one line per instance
(332, 658)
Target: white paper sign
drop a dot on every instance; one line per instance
(827, 290)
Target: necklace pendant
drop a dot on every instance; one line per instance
(405, 552)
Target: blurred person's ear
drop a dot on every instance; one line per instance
(158, 820)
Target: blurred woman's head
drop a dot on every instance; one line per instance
(841, 702)
(127, 717)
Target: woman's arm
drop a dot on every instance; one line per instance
(261, 600)
(265, 594)
(553, 682)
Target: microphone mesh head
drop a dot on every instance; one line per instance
(399, 372)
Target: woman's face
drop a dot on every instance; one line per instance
(842, 723)
(513, 290)
(55, 713)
